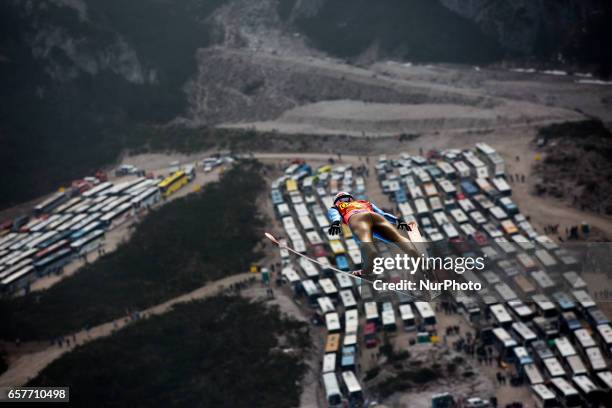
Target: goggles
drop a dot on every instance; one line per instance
(345, 199)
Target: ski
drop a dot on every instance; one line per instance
(293, 251)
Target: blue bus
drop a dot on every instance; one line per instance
(342, 263)
(468, 188)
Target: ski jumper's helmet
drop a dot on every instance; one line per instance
(342, 194)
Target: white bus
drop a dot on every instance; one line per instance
(564, 347)
(325, 304)
(544, 396)
(328, 287)
(521, 310)
(533, 374)
(290, 274)
(545, 307)
(466, 205)
(306, 223)
(407, 316)
(524, 333)
(590, 392)
(584, 300)
(574, 281)
(553, 367)
(388, 317)
(605, 378)
(332, 322)
(329, 363)
(584, 338)
(371, 312)
(351, 321)
(505, 343)
(348, 299)
(448, 187)
(545, 258)
(353, 389)
(459, 215)
(100, 189)
(604, 332)
(478, 218)
(428, 317)
(505, 292)
(567, 394)
(596, 359)
(344, 281)
(543, 280)
(501, 315)
(310, 270)
(333, 396)
(576, 365)
(311, 290)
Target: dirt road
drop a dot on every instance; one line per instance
(29, 365)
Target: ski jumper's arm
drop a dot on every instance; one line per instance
(390, 217)
(334, 215)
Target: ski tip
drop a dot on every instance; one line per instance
(271, 237)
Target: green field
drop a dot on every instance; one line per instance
(221, 352)
(175, 249)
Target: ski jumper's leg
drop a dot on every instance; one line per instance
(361, 225)
(390, 233)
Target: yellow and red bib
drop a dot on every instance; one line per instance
(346, 210)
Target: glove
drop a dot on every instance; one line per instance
(403, 225)
(335, 228)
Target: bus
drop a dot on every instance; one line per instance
(89, 242)
(521, 310)
(371, 312)
(369, 335)
(584, 299)
(574, 281)
(553, 367)
(336, 247)
(328, 287)
(596, 317)
(505, 292)
(311, 290)
(547, 328)
(591, 393)
(541, 350)
(596, 359)
(544, 306)
(605, 378)
(332, 322)
(332, 343)
(533, 374)
(50, 203)
(604, 333)
(576, 365)
(504, 343)
(100, 189)
(290, 275)
(524, 333)
(388, 317)
(564, 347)
(347, 360)
(426, 313)
(544, 396)
(527, 262)
(351, 321)
(569, 322)
(565, 302)
(333, 396)
(566, 393)
(543, 281)
(54, 261)
(344, 281)
(325, 305)
(329, 363)
(67, 205)
(173, 183)
(584, 338)
(521, 358)
(545, 259)
(524, 285)
(355, 255)
(501, 315)
(348, 299)
(310, 270)
(353, 389)
(407, 316)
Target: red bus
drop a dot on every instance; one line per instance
(369, 335)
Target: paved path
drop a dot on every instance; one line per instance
(29, 365)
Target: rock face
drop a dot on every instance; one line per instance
(528, 27)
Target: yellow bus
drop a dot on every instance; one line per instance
(346, 231)
(333, 343)
(172, 183)
(336, 246)
(291, 185)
